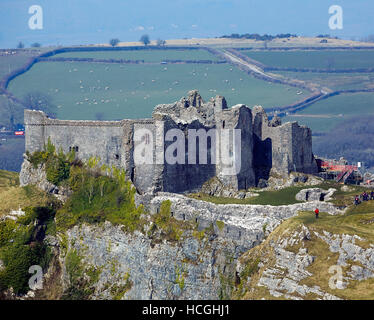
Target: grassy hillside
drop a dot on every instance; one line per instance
(84, 90)
(13, 197)
(319, 59)
(146, 55)
(334, 81)
(323, 115)
(357, 221)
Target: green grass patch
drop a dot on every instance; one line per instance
(334, 81)
(318, 59)
(146, 55)
(326, 114)
(87, 91)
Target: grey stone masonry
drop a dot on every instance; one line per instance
(264, 146)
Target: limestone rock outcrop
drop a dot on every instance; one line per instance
(315, 194)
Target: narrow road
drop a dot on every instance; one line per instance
(318, 93)
(250, 66)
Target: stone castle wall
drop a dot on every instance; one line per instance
(266, 146)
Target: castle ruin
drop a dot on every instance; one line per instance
(265, 146)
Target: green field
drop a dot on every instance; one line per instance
(116, 91)
(146, 55)
(325, 114)
(318, 59)
(8, 63)
(334, 81)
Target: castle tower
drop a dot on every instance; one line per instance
(238, 172)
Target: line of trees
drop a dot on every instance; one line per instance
(145, 39)
(258, 37)
(21, 45)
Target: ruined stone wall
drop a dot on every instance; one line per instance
(281, 148)
(302, 153)
(238, 117)
(187, 177)
(265, 145)
(102, 139)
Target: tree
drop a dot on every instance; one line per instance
(36, 45)
(20, 45)
(161, 43)
(114, 42)
(145, 39)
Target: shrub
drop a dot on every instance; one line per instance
(57, 165)
(19, 249)
(18, 259)
(98, 198)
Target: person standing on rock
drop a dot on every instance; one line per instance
(316, 212)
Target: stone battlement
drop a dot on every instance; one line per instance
(265, 145)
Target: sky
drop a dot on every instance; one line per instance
(73, 22)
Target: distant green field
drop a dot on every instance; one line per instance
(331, 111)
(116, 91)
(9, 63)
(146, 55)
(334, 81)
(318, 59)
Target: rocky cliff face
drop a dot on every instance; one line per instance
(200, 264)
(30, 175)
(145, 268)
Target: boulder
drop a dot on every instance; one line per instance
(315, 194)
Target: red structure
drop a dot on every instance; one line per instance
(340, 171)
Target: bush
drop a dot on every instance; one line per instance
(57, 170)
(98, 198)
(18, 259)
(57, 165)
(19, 248)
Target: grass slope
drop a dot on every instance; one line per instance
(325, 114)
(357, 221)
(82, 90)
(12, 196)
(319, 59)
(146, 55)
